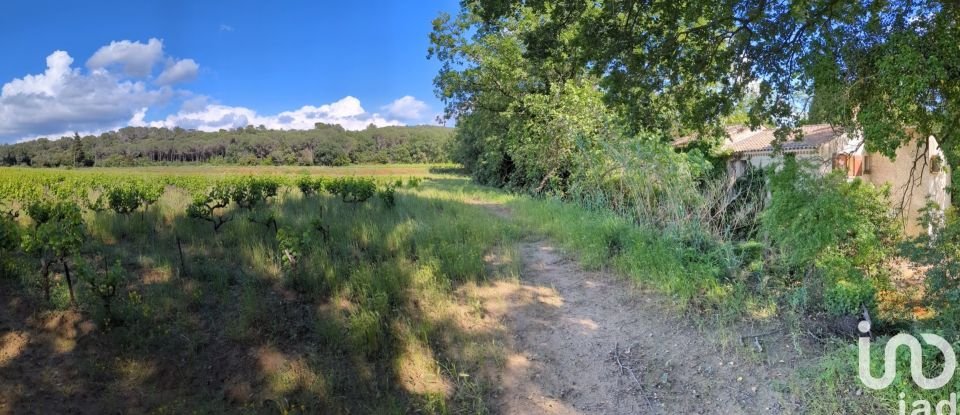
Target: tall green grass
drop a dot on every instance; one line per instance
(367, 296)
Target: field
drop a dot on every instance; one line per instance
(392, 289)
(337, 303)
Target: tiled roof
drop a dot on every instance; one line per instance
(733, 131)
(814, 136)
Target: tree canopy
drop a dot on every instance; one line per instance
(324, 145)
(669, 67)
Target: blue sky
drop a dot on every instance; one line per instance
(95, 66)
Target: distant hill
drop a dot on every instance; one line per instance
(328, 145)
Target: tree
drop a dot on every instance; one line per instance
(79, 157)
(133, 146)
(879, 67)
(520, 121)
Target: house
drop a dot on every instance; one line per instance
(830, 149)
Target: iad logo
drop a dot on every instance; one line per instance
(916, 357)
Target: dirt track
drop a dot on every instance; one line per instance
(567, 323)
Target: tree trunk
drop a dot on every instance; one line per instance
(45, 274)
(66, 271)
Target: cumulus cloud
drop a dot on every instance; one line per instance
(178, 71)
(136, 59)
(212, 117)
(407, 108)
(63, 98)
(118, 88)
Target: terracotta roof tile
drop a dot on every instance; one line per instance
(732, 131)
(762, 140)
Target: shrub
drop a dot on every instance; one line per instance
(940, 251)
(388, 195)
(125, 198)
(837, 233)
(249, 192)
(103, 285)
(9, 240)
(205, 206)
(310, 186)
(58, 234)
(352, 189)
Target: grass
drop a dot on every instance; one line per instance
(826, 384)
(372, 319)
(382, 308)
(372, 170)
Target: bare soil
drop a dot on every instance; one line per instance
(588, 342)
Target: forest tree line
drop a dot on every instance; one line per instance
(325, 145)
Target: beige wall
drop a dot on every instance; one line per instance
(881, 171)
(911, 191)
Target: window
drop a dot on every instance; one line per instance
(840, 162)
(936, 164)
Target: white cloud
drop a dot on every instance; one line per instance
(225, 27)
(407, 108)
(137, 119)
(137, 59)
(118, 89)
(211, 117)
(63, 98)
(178, 71)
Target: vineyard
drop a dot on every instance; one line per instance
(267, 292)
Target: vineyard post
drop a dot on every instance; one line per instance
(183, 265)
(66, 271)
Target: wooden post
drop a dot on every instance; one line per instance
(183, 265)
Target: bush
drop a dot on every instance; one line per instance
(310, 186)
(352, 189)
(837, 234)
(104, 285)
(940, 251)
(388, 195)
(9, 240)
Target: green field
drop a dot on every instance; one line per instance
(336, 303)
(305, 290)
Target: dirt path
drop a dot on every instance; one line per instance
(567, 323)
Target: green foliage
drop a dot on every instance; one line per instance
(104, 285)
(290, 243)
(9, 242)
(388, 195)
(311, 185)
(123, 199)
(9, 233)
(519, 125)
(326, 145)
(838, 235)
(207, 206)
(693, 66)
(58, 228)
(366, 334)
(58, 233)
(939, 249)
(352, 189)
(364, 291)
(249, 192)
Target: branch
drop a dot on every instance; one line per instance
(624, 368)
